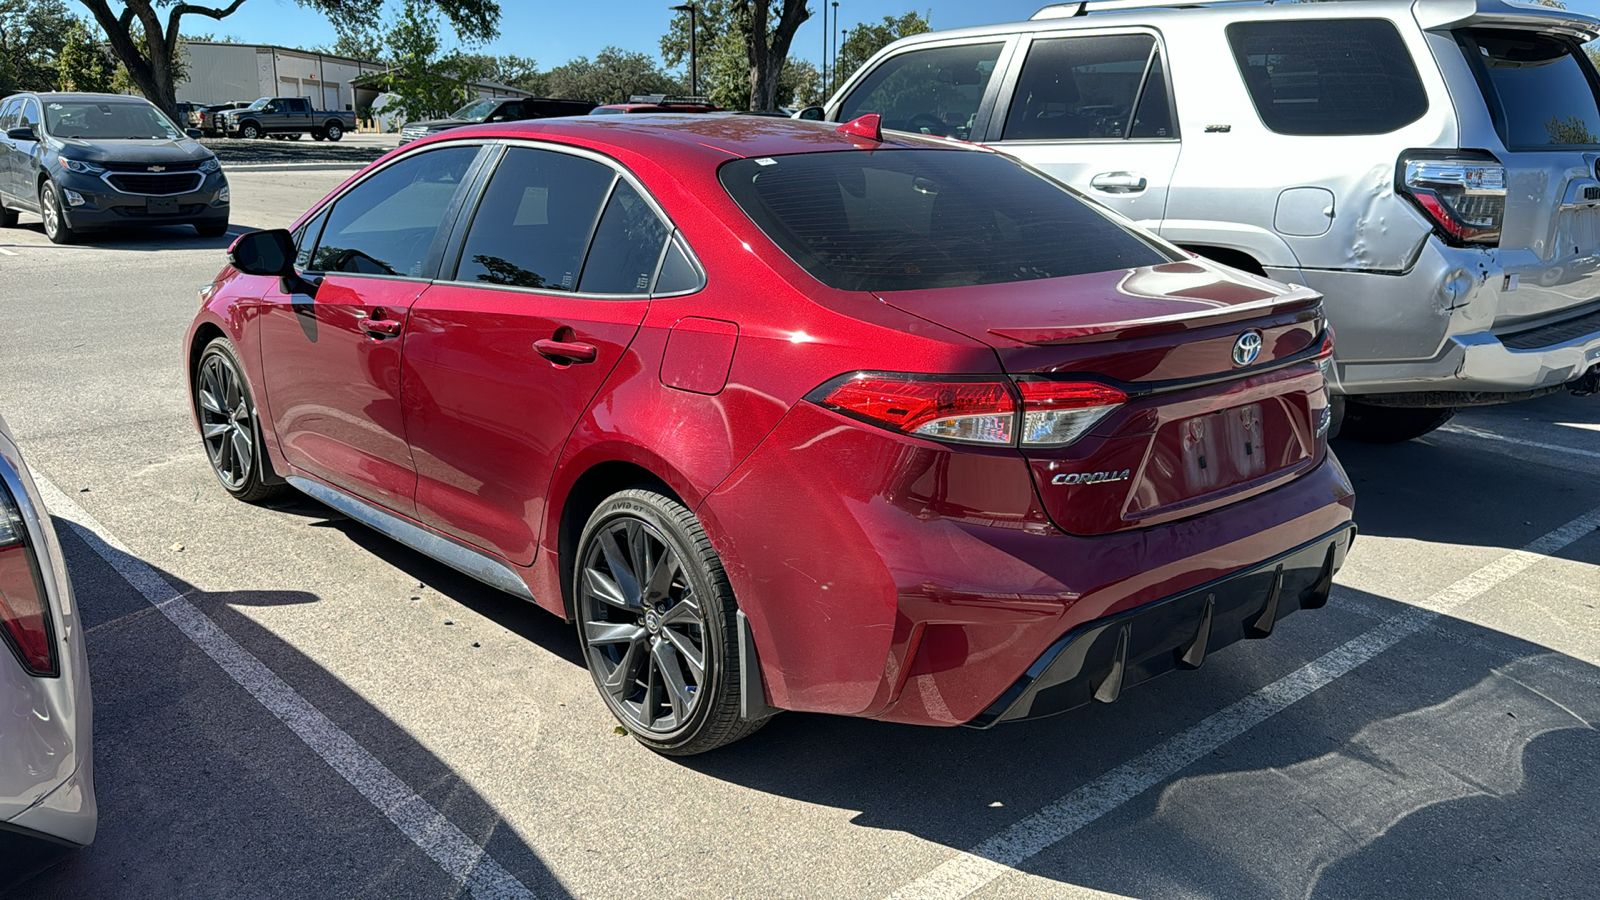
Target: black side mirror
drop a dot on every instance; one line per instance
(194, 133)
(22, 133)
(812, 114)
(263, 253)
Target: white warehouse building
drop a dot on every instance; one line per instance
(223, 73)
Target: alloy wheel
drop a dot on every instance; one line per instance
(226, 424)
(643, 627)
(52, 213)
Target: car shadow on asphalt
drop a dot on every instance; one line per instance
(150, 238)
(204, 793)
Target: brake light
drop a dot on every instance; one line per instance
(999, 412)
(24, 620)
(1056, 413)
(968, 412)
(1464, 197)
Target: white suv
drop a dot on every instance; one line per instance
(1428, 165)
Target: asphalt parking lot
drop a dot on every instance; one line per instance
(288, 705)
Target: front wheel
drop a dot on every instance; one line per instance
(1371, 424)
(228, 426)
(56, 227)
(657, 624)
(333, 131)
(250, 131)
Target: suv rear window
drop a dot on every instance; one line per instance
(1329, 76)
(897, 220)
(1538, 88)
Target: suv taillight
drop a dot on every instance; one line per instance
(995, 412)
(24, 620)
(1464, 196)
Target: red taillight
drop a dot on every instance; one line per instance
(1050, 414)
(24, 620)
(972, 412)
(1465, 197)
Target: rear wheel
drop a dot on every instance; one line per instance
(1371, 424)
(657, 624)
(333, 130)
(228, 426)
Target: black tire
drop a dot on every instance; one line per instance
(56, 226)
(292, 137)
(229, 429)
(1370, 424)
(250, 131)
(211, 231)
(318, 135)
(333, 131)
(8, 218)
(650, 592)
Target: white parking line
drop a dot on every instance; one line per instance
(1491, 436)
(442, 841)
(996, 856)
(5, 252)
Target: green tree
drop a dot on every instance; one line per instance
(428, 81)
(355, 43)
(508, 68)
(612, 76)
(727, 30)
(146, 45)
(32, 33)
(864, 40)
(83, 64)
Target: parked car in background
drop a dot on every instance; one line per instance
(982, 452)
(1428, 165)
(496, 110)
(47, 799)
(657, 103)
(207, 118)
(287, 118)
(88, 162)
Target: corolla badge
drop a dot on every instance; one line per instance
(1247, 348)
(1092, 477)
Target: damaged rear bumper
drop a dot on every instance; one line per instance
(1099, 659)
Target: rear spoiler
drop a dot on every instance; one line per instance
(1550, 17)
(1298, 299)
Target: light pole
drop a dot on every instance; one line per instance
(825, 34)
(836, 42)
(694, 74)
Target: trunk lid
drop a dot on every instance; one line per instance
(1198, 430)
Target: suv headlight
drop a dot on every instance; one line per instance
(210, 165)
(79, 166)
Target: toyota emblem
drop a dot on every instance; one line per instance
(1247, 348)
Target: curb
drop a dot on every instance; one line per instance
(293, 167)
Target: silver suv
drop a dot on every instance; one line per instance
(1428, 165)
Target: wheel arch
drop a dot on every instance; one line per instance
(1229, 256)
(591, 487)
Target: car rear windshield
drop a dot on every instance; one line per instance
(897, 220)
(1538, 88)
(1329, 76)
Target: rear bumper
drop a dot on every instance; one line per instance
(1099, 660)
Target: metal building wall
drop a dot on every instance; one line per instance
(219, 73)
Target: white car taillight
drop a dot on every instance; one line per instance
(24, 617)
(1465, 197)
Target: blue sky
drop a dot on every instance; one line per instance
(554, 32)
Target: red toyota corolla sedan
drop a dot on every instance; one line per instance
(788, 416)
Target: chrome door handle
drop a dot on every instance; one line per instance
(1119, 182)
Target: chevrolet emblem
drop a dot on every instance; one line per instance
(157, 169)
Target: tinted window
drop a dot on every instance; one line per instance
(678, 274)
(908, 219)
(8, 113)
(1079, 88)
(386, 224)
(1326, 77)
(626, 248)
(935, 91)
(535, 219)
(1537, 87)
(1154, 118)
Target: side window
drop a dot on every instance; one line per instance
(1329, 76)
(300, 106)
(678, 274)
(305, 240)
(534, 222)
(386, 224)
(1079, 88)
(8, 113)
(933, 91)
(1154, 116)
(626, 247)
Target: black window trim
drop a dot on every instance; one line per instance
(1002, 110)
(431, 263)
(451, 263)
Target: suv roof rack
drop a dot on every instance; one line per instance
(1068, 10)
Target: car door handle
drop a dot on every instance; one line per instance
(379, 325)
(566, 351)
(1118, 182)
